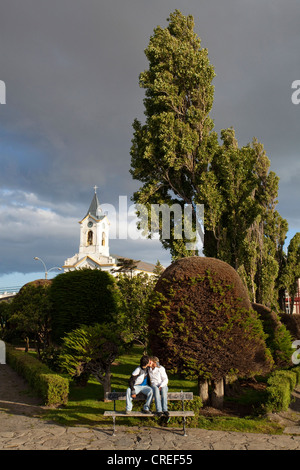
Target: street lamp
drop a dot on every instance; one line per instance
(46, 271)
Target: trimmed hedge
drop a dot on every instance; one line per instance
(83, 297)
(201, 324)
(279, 339)
(52, 388)
(280, 387)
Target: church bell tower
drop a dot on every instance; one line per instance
(94, 231)
(94, 241)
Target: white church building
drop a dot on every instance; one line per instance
(94, 245)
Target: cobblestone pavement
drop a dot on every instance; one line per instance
(21, 428)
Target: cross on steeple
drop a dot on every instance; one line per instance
(95, 188)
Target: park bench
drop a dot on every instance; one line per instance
(115, 396)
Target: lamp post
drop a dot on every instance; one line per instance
(45, 267)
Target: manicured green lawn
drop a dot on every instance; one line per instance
(86, 406)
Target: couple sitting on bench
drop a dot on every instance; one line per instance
(150, 379)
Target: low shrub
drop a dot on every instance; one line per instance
(176, 405)
(296, 371)
(279, 339)
(280, 387)
(189, 405)
(52, 388)
(50, 357)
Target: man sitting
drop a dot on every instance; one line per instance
(159, 385)
(138, 382)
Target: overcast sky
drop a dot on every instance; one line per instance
(71, 71)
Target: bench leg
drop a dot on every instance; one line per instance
(183, 422)
(114, 424)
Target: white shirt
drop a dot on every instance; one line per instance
(158, 376)
(140, 375)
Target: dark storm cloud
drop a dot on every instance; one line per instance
(71, 71)
(69, 88)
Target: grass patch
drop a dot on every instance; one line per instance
(86, 406)
(238, 424)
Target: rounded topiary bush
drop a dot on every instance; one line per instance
(83, 297)
(36, 283)
(202, 325)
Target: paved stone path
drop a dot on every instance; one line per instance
(21, 428)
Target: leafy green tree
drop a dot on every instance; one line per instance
(292, 268)
(30, 313)
(125, 265)
(91, 350)
(246, 231)
(83, 297)
(236, 182)
(173, 149)
(135, 300)
(270, 232)
(159, 269)
(4, 313)
(178, 159)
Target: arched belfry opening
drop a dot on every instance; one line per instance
(90, 237)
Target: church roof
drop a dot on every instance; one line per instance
(140, 265)
(93, 209)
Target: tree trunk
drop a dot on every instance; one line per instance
(203, 391)
(82, 379)
(231, 385)
(217, 395)
(281, 300)
(102, 374)
(106, 381)
(38, 349)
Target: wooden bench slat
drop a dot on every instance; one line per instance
(115, 396)
(171, 396)
(144, 415)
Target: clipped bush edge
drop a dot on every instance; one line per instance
(52, 388)
(281, 384)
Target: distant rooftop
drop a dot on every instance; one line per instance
(140, 265)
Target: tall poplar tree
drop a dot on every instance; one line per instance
(178, 159)
(292, 269)
(173, 149)
(247, 231)
(232, 169)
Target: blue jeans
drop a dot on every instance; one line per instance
(137, 389)
(161, 398)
